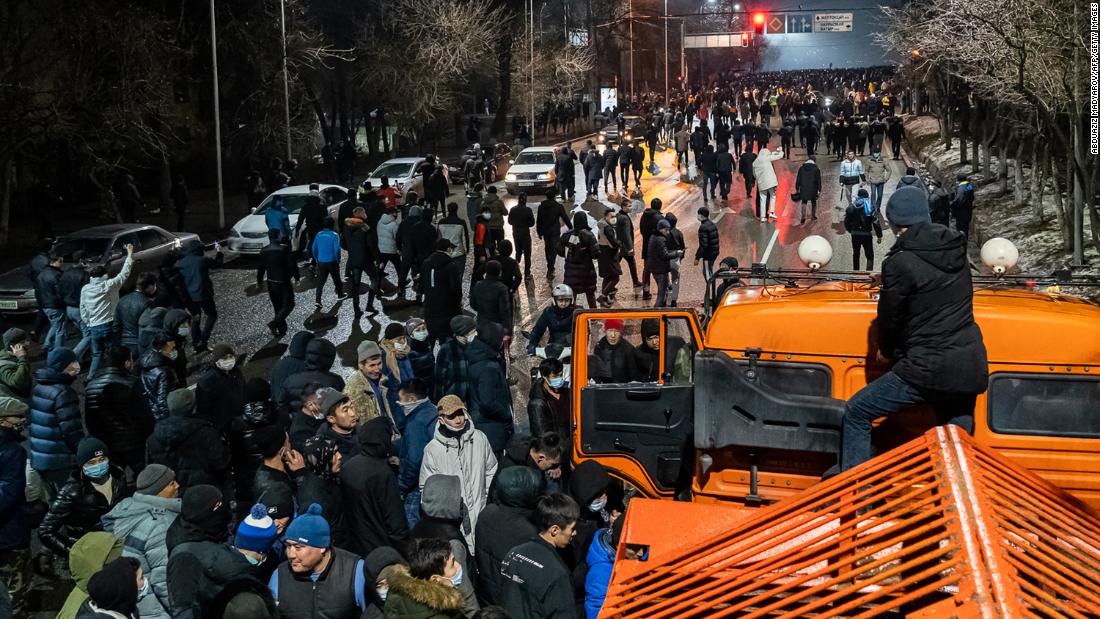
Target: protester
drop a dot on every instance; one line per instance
(549, 221)
(548, 406)
(601, 560)
(306, 421)
(89, 493)
(292, 363)
(536, 580)
(113, 591)
(15, 532)
(556, 320)
(851, 174)
(428, 587)
(375, 510)
(543, 454)
(860, 219)
(421, 353)
(86, 559)
(114, 411)
(341, 421)
(372, 388)
(521, 219)
(926, 329)
(320, 356)
(441, 275)
(420, 427)
(492, 300)
(98, 304)
(962, 204)
(195, 267)
(191, 446)
(158, 375)
(766, 182)
(15, 369)
(458, 448)
(277, 263)
(616, 353)
(489, 398)
(709, 242)
(504, 524)
(55, 430)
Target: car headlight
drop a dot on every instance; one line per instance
(603, 133)
(234, 233)
(509, 177)
(544, 177)
(29, 294)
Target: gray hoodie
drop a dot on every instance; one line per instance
(99, 297)
(141, 522)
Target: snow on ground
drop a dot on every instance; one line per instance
(995, 214)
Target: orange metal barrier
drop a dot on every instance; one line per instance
(940, 527)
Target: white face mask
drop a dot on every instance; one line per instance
(174, 354)
(383, 592)
(226, 364)
(597, 505)
(486, 216)
(701, 218)
(420, 335)
(144, 591)
(401, 346)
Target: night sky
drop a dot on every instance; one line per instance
(813, 51)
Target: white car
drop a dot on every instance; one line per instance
(402, 173)
(249, 235)
(532, 171)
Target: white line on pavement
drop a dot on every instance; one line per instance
(771, 244)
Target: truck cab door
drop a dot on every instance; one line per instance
(633, 403)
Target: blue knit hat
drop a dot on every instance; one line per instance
(908, 206)
(257, 531)
(60, 358)
(310, 529)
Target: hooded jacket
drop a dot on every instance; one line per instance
(441, 280)
(15, 376)
(88, 555)
(141, 523)
(114, 411)
(550, 218)
(127, 314)
(191, 447)
(858, 223)
(580, 248)
(158, 379)
(320, 355)
(195, 267)
(505, 523)
(219, 396)
(374, 511)
(174, 320)
(763, 170)
(420, 425)
(76, 509)
(55, 428)
(468, 457)
(387, 234)
(600, 560)
(150, 323)
(277, 263)
(492, 301)
(293, 362)
(497, 211)
(490, 401)
(99, 297)
(911, 180)
(47, 290)
(709, 241)
(808, 181)
(926, 312)
(413, 598)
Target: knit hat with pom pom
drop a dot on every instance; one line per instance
(257, 531)
(310, 529)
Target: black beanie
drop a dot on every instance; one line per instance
(114, 587)
(394, 329)
(198, 501)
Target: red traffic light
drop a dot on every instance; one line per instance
(744, 39)
(758, 22)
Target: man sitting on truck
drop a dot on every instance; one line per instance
(925, 327)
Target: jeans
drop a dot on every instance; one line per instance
(710, 178)
(73, 314)
(876, 194)
(55, 337)
(412, 507)
(101, 343)
(324, 271)
(889, 394)
(725, 179)
(662, 289)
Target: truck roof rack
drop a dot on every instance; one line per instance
(940, 526)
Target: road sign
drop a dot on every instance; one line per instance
(832, 22)
(800, 23)
(777, 23)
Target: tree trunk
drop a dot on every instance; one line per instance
(5, 200)
(1018, 175)
(1002, 164)
(1036, 182)
(1060, 218)
(164, 185)
(504, 75)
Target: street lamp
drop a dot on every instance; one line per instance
(217, 116)
(286, 78)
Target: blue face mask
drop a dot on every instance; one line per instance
(97, 471)
(456, 580)
(557, 383)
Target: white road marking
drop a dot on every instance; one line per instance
(768, 250)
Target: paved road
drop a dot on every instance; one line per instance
(244, 309)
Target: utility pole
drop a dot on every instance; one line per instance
(683, 61)
(631, 12)
(217, 116)
(531, 65)
(286, 79)
(666, 52)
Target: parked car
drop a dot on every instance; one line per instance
(403, 172)
(99, 245)
(497, 162)
(532, 171)
(249, 234)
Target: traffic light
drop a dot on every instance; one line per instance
(744, 39)
(758, 23)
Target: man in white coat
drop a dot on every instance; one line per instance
(459, 449)
(766, 182)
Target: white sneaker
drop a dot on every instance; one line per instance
(764, 219)
(772, 215)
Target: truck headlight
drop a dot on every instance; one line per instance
(509, 177)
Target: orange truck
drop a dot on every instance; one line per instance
(748, 410)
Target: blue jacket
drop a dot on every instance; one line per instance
(56, 429)
(326, 246)
(278, 219)
(14, 532)
(194, 267)
(419, 429)
(601, 558)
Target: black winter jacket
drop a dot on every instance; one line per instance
(46, 288)
(441, 280)
(197, 574)
(492, 301)
(150, 323)
(555, 321)
(158, 379)
(546, 590)
(127, 315)
(72, 281)
(619, 359)
(320, 355)
(647, 225)
(293, 362)
(77, 510)
(54, 415)
(545, 414)
(191, 447)
(580, 249)
(219, 396)
(195, 267)
(277, 263)
(709, 243)
(114, 411)
(504, 524)
(661, 251)
(374, 511)
(356, 237)
(926, 312)
(14, 528)
(550, 217)
(858, 223)
(490, 400)
(808, 181)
